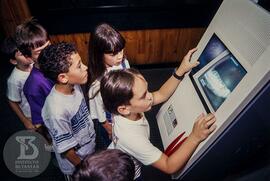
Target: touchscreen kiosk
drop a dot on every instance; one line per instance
(234, 56)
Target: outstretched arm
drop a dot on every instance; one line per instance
(202, 128)
(168, 88)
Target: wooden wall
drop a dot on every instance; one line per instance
(143, 46)
(146, 46)
(12, 13)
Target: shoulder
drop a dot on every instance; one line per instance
(37, 81)
(94, 88)
(12, 77)
(52, 99)
(18, 75)
(54, 103)
(95, 84)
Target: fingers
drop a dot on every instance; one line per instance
(204, 126)
(195, 64)
(200, 116)
(189, 55)
(210, 122)
(206, 121)
(190, 52)
(212, 128)
(209, 116)
(209, 125)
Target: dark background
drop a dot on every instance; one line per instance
(74, 16)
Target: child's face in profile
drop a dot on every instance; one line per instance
(113, 60)
(35, 52)
(77, 73)
(142, 99)
(21, 60)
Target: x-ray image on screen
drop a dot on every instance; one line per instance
(213, 48)
(219, 72)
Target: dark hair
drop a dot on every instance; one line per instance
(116, 88)
(9, 48)
(107, 165)
(104, 39)
(30, 35)
(54, 59)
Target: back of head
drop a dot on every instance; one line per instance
(104, 39)
(107, 165)
(30, 35)
(116, 88)
(54, 59)
(9, 48)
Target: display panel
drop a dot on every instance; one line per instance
(218, 74)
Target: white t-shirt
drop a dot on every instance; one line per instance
(96, 105)
(68, 121)
(132, 137)
(15, 93)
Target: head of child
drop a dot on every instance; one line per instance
(31, 38)
(125, 92)
(107, 165)
(61, 63)
(106, 50)
(15, 57)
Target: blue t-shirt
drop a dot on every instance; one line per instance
(36, 89)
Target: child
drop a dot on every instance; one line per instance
(107, 165)
(65, 112)
(31, 38)
(125, 94)
(16, 80)
(106, 53)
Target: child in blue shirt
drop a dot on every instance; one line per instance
(31, 38)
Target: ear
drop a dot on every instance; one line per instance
(62, 78)
(123, 110)
(13, 61)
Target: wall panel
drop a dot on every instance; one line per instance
(145, 46)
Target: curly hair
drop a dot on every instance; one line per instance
(54, 59)
(107, 165)
(116, 88)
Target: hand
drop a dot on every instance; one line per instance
(186, 65)
(203, 127)
(108, 128)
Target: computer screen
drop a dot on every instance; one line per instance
(217, 75)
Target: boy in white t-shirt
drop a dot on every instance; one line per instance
(125, 94)
(16, 80)
(65, 112)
